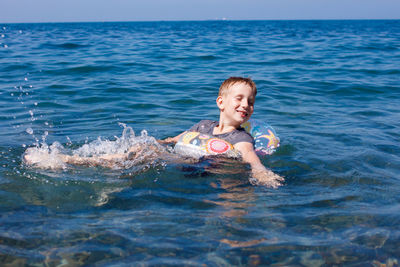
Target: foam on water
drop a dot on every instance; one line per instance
(146, 152)
(117, 146)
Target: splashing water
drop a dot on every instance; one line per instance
(142, 151)
(45, 157)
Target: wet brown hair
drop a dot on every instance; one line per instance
(224, 88)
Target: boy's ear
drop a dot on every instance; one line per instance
(220, 102)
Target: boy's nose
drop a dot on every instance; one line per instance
(245, 103)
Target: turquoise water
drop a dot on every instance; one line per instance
(331, 90)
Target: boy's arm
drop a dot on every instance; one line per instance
(171, 139)
(94, 160)
(263, 175)
(98, 160)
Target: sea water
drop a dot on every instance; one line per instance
(331, 90)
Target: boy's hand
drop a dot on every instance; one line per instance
(266, 177)
(261, 175)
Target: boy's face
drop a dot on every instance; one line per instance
(237, 105)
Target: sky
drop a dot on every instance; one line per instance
(14, 11)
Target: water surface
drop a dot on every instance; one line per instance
(329, 88)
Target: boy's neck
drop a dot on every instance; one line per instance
(224, 127)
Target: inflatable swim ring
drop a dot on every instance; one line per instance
(195, 144)
(265, 139)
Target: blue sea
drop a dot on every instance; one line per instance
(330, 89)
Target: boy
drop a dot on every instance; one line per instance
(235, 101)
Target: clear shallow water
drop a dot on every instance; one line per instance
(329, 88)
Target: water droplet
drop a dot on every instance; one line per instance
(23, 145)
(46, 123)
(20, 31)
(25, 78)
(29, 130)
(5, 46)
(2, 36)
(35, 103)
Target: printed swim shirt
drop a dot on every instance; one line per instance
(234, 137)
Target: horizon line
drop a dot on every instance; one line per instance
(199, 20)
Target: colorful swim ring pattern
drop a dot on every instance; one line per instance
(197, 144)
(215, 145)
(266, 140)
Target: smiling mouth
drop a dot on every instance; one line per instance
(243, 114)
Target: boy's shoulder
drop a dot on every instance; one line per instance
(204, 126)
